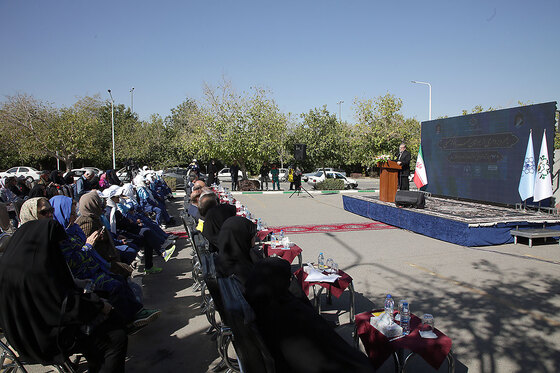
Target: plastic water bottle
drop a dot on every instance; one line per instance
(281, 235)
(321, 261)
(405, 319)
(389, 306)
(273, 240)
(259, 224)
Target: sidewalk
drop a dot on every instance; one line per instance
(500, 304)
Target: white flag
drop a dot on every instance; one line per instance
(527, 182)
(543, 180)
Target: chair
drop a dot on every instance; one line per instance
(210, 291)
(190, 227)
(200, 246)
(252, 354)
(10, 361)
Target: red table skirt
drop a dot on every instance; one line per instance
(262, 234)
(288, 255)
(336, 288)
(379, 348)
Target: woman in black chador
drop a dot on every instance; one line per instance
(43, 314)
(298, 338)
(235, 242)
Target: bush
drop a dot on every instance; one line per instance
(249, 185)
(171, 183)
(330, 184)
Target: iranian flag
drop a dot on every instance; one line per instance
(420, 177)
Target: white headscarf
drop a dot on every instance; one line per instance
(128, 191)
(113, 190)
(139, 181)
(111, 209)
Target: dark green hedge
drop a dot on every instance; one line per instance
(330, 184)
(171, 182)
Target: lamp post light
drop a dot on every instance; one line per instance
(113, 126)
(339, 103)
(132, 99)
(430, 100)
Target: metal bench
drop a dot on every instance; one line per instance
(534, 233)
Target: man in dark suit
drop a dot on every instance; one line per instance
(403, 159)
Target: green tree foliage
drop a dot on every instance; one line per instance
(181, 126)
(327, 139)
(41, 130)
(381, 128)
(247, 128)
(478, 109)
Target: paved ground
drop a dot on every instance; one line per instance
(499, 304)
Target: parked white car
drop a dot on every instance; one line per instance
(282, 175)
(305, 177)
(29, 173)
(319, 176)
(225, 175)
(80, 171)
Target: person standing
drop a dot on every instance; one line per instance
(291, 177)
(297, 179)
(234, 172)
(264, 175)
(275, 177)
(212, 173)
(403, 160)
(83, 185)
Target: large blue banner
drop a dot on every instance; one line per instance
(480, 156)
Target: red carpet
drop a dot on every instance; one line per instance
(297, 229)
(179, 234)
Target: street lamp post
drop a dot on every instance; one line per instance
(113, 126)
(132, 99)
(430, 100)
(340, 110)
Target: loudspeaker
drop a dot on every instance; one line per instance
(300, 152)
(407, 198)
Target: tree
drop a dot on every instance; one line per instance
(42, 130)
(245, 128)
(381, 128)
(326, 137)
(182, 127)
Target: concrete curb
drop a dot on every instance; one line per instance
(269, 192)
(310, 191)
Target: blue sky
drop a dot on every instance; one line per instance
(308, 53)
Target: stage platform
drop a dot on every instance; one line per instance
(459, 222)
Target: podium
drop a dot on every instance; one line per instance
(389, 181)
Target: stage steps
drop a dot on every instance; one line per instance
(534, 233)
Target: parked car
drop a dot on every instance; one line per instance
(225, 175)
(179, 174)
(29, 173)
(305, 177)
(80, 171)
(319, 176)
(282, 175)
(123, 175)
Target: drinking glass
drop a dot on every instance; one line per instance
(335, 267)
(329, 264)
(427, 323)
(398, 315)
(286, 243)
